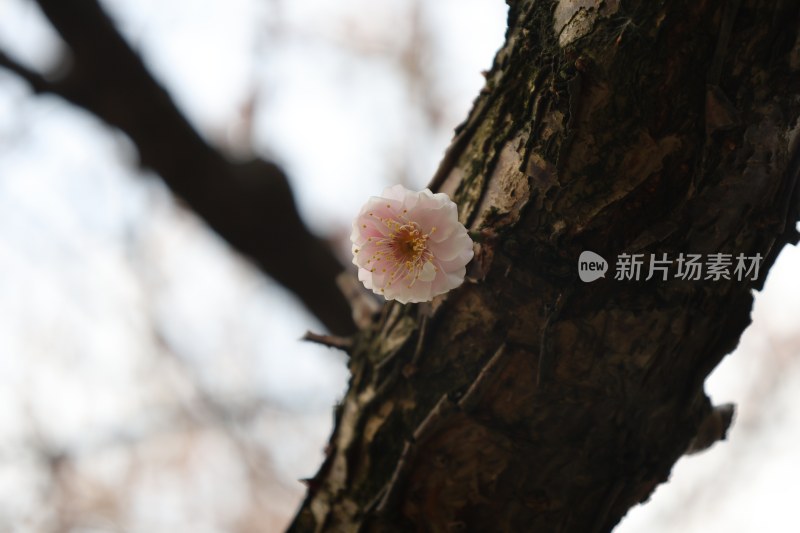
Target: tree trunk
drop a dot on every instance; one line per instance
(528, 400)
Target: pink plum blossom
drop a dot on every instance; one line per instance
(409, 246)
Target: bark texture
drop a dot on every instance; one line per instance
(527, 400)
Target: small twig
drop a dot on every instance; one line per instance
(546, 355)
(387, 312)
(411, 368)
(490, 370)
(362, 304)
(332, 341)
(431, 424)
(373, 503)
(443, 408)
(37, 82)
(383, 364)
(729, 13)
(713, 428)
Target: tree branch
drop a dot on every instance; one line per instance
(250, 205)
(34, 79)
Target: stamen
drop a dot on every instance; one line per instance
(406, 251)
(393, 251)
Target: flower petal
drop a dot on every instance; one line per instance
(409, 246)
(428, 272)
(453, 247)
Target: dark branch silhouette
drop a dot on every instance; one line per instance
(250, 205)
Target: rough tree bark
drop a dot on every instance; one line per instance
(527, 400)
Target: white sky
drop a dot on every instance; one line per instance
(93, 254)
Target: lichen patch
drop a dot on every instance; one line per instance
(573, 19)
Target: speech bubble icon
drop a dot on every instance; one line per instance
(591, 266)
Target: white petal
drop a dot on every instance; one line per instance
(456, 246)
(365, 277)
(428, 272)
(420, 291)
(395, 192)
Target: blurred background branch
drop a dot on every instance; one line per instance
(249, 204)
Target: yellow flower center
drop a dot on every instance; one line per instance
(408, 244)
(404, 253)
